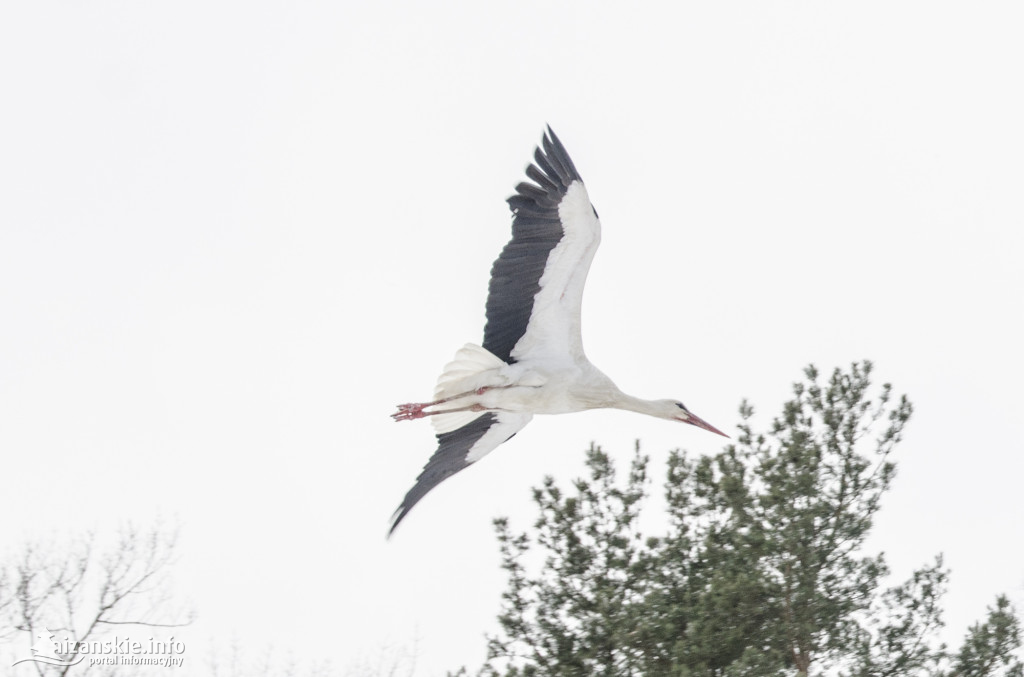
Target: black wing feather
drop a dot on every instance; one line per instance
(536, 230)
(450, 458)
(541, 179)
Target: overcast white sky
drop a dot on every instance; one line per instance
(234, 235)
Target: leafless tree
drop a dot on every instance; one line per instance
(83, 590)
(235, 661)
(87, 589)
(268, 662)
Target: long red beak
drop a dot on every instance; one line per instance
(701, 423)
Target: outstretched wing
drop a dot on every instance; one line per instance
(457, 450)
(536, 288)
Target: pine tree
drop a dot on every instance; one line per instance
(575, 617)
(761, 571)
(988, 647)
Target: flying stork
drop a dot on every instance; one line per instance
(532, 359)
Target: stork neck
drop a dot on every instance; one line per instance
(637, 404)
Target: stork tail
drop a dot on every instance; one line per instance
(466, 373)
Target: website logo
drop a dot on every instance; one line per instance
(120, 650)
(47, 651)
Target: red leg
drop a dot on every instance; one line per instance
(414, 410)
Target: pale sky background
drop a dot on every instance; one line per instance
(233, 235)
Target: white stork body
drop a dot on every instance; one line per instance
(532, 359)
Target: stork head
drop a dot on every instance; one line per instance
(677, 411)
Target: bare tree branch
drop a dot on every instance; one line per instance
(72, 590)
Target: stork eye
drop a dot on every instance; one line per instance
(681, 406)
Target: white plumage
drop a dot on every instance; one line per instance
(532, 359)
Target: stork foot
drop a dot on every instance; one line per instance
(409, 412)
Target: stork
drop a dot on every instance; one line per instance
(532, 359)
